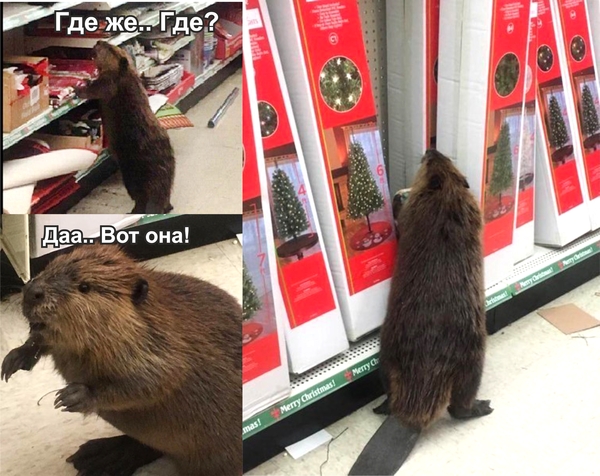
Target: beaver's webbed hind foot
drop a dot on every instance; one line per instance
(383, 409)
(479, 408)
(117, 456)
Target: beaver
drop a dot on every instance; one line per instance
(136, 139)
(433, 336)
(155, 354)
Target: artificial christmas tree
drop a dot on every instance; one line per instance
(502, 175)
(558, 132)
(290, 218)
(364, 196)
(340, 84)
(589, 115)
(268, 119)
(252, 302)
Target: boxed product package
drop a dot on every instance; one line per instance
(325, 65)
(25, 92)
(191, 56)
(523, 240)
(265, 377)
(493, 68)
(449, 64)
(576, 54)
(314, 329)
(412, 85)
(229, 38)
(561, 213)
(594, 14)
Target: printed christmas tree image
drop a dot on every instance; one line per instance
(290, 217)
(507, 74)
(558, 132)
(252, 302)
(589, 119)
(364, 198)
(502, 175)
(340, 84)
(268, 118)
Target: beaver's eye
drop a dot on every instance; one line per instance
(84, 287)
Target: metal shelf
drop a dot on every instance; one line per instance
(363, 357)
(19, 14)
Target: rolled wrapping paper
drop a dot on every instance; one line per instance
(20, 172)
(17, 201)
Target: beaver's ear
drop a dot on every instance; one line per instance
(123, 64)
(435, 182)
(465, 182)
(140, 291)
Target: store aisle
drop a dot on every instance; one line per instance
(545, 389)
(37, 439)
(208, 163)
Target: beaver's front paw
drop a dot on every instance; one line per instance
(21, 358)
(75, 397)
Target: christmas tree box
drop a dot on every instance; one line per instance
(493, 71)
(523, 239)
(314, 330)
(412, 84)
(265, 377)
(594, 15)
(325, 65)
(561, 213)
(448, 75)
(576, 55)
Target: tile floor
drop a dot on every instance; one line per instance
(208, 168)
(35, 440)
(545, 388)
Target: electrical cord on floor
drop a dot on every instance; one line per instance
(328, 445)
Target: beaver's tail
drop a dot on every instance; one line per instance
(387, 450)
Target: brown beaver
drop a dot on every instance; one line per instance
(433, 336)
(135, 137)
(155, 354)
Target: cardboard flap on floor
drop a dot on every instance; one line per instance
(569, 318)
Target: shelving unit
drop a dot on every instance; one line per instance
(19, 15)
(363, 357)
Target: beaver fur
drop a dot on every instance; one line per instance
(155, 354)
(136, 139)
(433, 336)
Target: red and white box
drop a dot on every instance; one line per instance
(594, 17)
(412, 85)
(314, 329)
(561, 213)
(325, 65)
(493, 65)
(523, 240)
(576, 55)
(449, 64)
(265, 377)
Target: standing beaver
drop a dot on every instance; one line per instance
(155, 354)
(433, 336)
(135, 137)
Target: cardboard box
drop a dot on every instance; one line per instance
(412, 85)
(314, 329)
(493, 52)
(576, 54)
(265, 377)
(561, 214)
(523, 239)
(191, 56)
(324, 61)
(176, 92)
(18, 109)
(229, 39)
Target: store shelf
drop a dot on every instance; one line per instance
(11, 138)
(363, 357)
(18, 14)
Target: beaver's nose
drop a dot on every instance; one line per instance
(33, 293)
